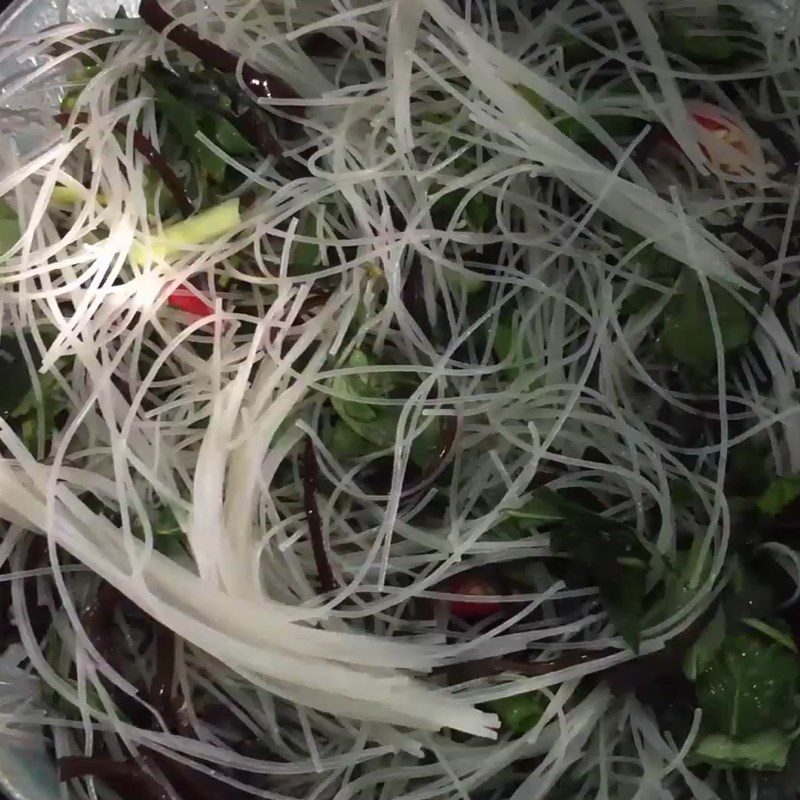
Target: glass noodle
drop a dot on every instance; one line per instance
(300, 407)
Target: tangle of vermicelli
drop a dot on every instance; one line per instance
(307, 625)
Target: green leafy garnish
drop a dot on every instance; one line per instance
(511, 345)
(749, 687)
(688, 336)
(227, 136)
(700, 40)
(615, 125)
(18, 400)
(545, 506)
(777, 633)
(10, 231)
(521, 712)
(346, 443)
(478, 212)
(166, 523)
(33, 412)
(189, 105)
(532, 98)
(651, 264)
(168, 535)
(705, 648)
(16, 380)
(372, 425)
(779, 494)
(608, 550)
(185, 120)
(766, 751)
(305, 255)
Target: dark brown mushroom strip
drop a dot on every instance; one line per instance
(191, 783)
(98, 622)
(310, 478)
(622, 678)
(261, 84)
(320, 45)
(414, 297)
(126, 778)
(7, 628)
(144, 146)
(254, 129)
(170, 705)
(161, 687)
(38, 615)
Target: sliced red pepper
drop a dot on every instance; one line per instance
(473, 584)
(185, 300)
(726, 141)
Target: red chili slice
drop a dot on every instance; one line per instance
(473, 584)
(187, 301)
(726, 142)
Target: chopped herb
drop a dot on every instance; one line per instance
(10, 231)
(652, 265)
(703, 651)
(305, 256)
(688, 336)
(779, 494)
(532, 98)
(765, 751)
(776, 632)
(375, 424)
(521, 712)
(699, 39)
(610, 551)
(748, 688)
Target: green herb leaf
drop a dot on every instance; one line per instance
(478, 213)
(31, 412)
(521, 712)
(18, 401)
(10, 231)
(766, 751)
(702, 652)
(749, 687)
(183, 117)
(618, 563)
(610, 552)
(544, 506)
(779, 494)
(16, 381)
(504, 339)
(700, 39)
(373, 423)
(509, 344)
(532, 98)
(346, 443)
(652, 265)
(229, 139)
(682, 581)
(688, 336)
(615, 125)
(778, 633)
(166, 523)
(305, 255)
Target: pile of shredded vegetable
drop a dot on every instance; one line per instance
(399, 400)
